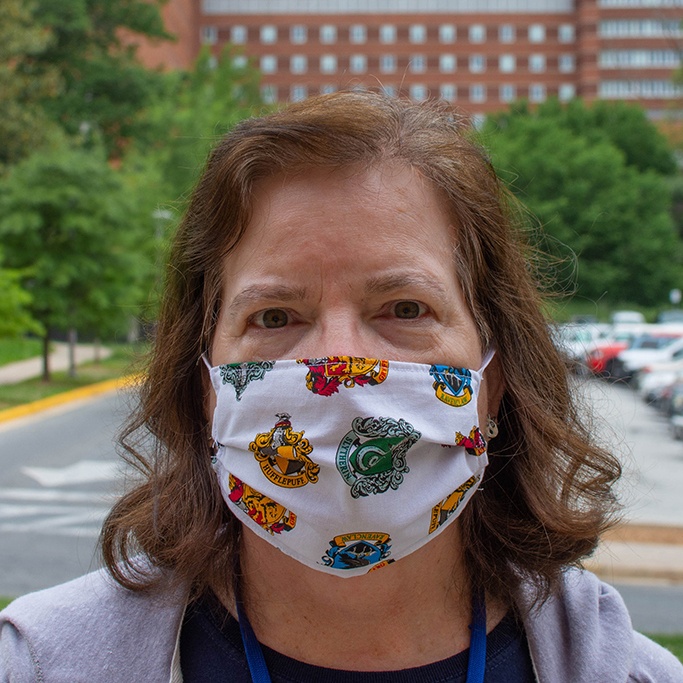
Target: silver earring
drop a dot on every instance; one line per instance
(491, 427)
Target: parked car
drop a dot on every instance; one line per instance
(676, 419)
(601, 355)
(654, 380)
(648, 349)
(574, 340)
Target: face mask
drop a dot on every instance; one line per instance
(347, 464)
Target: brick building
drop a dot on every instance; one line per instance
(480, 54)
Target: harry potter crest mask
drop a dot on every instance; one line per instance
(347, 464)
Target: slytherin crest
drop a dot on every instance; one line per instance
(283, 455)
(371, 458)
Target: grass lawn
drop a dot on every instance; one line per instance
(672, 643)
(124, 360)
(4, 602)
(18, 349)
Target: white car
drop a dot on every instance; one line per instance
(646, 350)
(653, 378)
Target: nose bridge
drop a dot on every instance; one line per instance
(342, 331)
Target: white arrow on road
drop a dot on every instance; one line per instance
(82, 472)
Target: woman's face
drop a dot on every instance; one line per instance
(346, 263)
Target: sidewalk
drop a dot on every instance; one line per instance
(12, 373)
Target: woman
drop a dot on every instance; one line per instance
(350, 324)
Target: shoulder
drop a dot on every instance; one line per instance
(92, 628)
(583, 632)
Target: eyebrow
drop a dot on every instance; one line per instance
(259, 293)
(391, 282)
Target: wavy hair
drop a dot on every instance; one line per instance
(547, 493)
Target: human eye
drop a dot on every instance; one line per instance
(271, 318)
(407, 310)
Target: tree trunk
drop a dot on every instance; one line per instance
(98, 350)
(73, 338)
(46, 357)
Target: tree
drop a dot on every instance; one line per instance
(103, 87)
(593, 201)
(194, 109)
(67, 222)
(15, 319)
(24, 126)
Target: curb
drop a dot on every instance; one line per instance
(67, 397)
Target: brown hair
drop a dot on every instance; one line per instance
(547, 494)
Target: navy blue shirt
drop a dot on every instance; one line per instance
(211, 651)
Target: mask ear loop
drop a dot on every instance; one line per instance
(488, 357)
(205, 358)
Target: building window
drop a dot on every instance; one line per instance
(328, 34)
(536, 33)
(269, 64)
(387, 64)
(387, 34)
(537, 92)
(238, 35)
(209, 35)
(298, 34)
(268, 34)
(477, 33)
(240, 61)
(417, 33)
(447, 34)
(565, 33)
(389, 90)
(536, 63)
(566, 92)
(328, 89)
(298, 93)
(565, 64)
(418, 92)
(477, 64)
(269, 94)
(447, 64)
(507, 63)
(358, 64)
(507, 93)
(506, 33)
(298, 64)
(328, 64)
(448, 92)
(357, 34)
(477, 93)
(418, 64)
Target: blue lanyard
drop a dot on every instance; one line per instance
(475, 667)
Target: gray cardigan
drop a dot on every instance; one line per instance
(95, 631)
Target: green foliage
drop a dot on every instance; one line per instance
(15, 318)
(604, 206)
(102, 87)
(192, 112)
(66, 220)
(24, 125)
(18, 348)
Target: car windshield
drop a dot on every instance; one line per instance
(649, 341)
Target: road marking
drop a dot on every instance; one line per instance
(82, 472)
(53, 511)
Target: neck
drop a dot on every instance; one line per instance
(410, 613)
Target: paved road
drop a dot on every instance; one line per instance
(59, 475)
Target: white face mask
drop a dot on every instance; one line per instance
(347, 464)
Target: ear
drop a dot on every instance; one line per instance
(494, 384)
